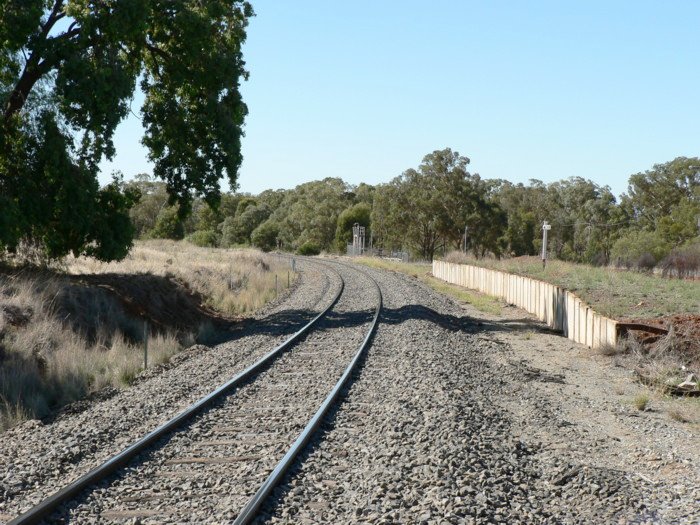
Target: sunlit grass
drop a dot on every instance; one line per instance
(611, 292)
(232, 281)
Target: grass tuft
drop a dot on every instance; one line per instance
(641, 401)
(678, 415)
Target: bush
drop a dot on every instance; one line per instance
(638, 248)
(309, 248)
(168, 225)
(682, 262)
(646, 262)
(265, 236)
(204, 238)
(359, 213)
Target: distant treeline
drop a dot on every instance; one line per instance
(425, 211)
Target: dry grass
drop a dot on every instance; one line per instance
(641, 401)
(679, 415)
(422, 271)
(615, 293)
(67, 333)
(232, 281)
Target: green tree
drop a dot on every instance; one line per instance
(153, 198)
(68, 71)
(244, 203)
(631, 247)
(310, 212)
(426, 209)
(265, 236)
(238, 229)
(169, 225)
(360, 214)
(654, 193)
(229, 203)
(681, 224)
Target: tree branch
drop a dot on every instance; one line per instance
(36, 66)
(158, 51)
(55, 16)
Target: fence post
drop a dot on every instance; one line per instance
(145, 344)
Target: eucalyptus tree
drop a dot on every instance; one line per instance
(68, 72)
(653, 193)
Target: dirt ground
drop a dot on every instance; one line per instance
(583, 405)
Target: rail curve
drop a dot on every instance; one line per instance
(250, 511)
(120, 460)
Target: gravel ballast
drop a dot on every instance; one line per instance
(444, 423)
(208, 470)
(422, 437)
(36, 458)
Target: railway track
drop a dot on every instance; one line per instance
(221, 457)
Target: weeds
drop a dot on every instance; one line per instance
(641, 401)
(677, 415)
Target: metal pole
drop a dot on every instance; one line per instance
(145, 344)
(276, 288)
(287, 278)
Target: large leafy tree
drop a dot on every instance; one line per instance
(68, 71)
(426, 209)
(309, 212)
(653, 194)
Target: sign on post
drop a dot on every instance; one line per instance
(545, 228)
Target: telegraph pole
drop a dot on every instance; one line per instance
(545, 228)
(464, 246)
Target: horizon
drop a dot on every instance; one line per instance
(595, 91)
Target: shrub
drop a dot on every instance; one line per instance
(636, 248)
(646, 262)
(682, 262)
(309, 248)
(265, 236)
(600, 259)
(204, 238)
(641, 401)
(168, 225)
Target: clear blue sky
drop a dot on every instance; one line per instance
(362, 90)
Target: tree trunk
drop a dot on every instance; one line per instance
(19, 94)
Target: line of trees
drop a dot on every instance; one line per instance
(68, 72)
(425, 211)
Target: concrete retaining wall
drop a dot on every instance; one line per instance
(560, 309)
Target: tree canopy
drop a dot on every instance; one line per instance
(68, 72)
(425, 210)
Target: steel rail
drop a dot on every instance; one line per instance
(250, 511)
(50, 504)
